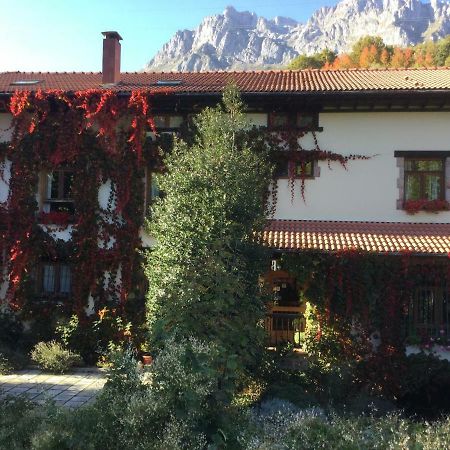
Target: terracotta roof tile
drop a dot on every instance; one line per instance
(282, 81)
(379, 237)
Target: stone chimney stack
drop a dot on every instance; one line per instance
(111, 57)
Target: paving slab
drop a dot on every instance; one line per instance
(70, 390)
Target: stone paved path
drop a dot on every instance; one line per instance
(72, 390)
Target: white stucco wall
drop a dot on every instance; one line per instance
(368, 189)
(5, 166)
(5, 176)
(5, 124)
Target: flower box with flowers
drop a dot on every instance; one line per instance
(55, 218)
(414, 206)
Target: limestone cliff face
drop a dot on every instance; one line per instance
(242, 40)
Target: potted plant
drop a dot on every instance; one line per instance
(146, 357)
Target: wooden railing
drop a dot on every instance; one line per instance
(284, 325)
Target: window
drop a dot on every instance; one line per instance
(305, 121)
(429, 315)
(305, 171)
(424, 179)
(59, 191)
(279, 120)
(285, 292)
(300, 121)
(55, 279)
(167, 122)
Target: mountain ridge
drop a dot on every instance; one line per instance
(237, 40)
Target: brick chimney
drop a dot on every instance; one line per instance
(111, 57)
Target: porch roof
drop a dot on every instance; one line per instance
(377, 237)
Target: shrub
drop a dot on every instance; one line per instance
(123, 375)
(53, 357)
(11, 360)
(92, 338)
(139, 421)
(78, 338)
(282, 427)
(19, 420)
(183, 379)
(425, 387)
(334, 352)
(5, 366)
(11, 330)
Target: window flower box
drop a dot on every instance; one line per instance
(61, 218)
(414, 206)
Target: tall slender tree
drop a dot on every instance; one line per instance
(203, 272)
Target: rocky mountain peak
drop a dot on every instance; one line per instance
(242, 40)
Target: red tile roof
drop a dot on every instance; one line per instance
(278, 81)
(379, 237)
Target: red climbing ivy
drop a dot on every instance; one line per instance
(374, 289)
(366, 298)
(99, 135)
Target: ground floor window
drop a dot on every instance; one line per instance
(428, 313)
(54, 279)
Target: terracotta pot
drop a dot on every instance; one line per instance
(147, 360)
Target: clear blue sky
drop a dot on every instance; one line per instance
(64, 35)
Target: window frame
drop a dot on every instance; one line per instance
(167, 126)
(41, 292)
(60, 199)
(422, 174)
(402, 155)
(419, 323)
(311, 174)
(292, 118)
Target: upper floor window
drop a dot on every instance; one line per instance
(167, 122)
(424, 178)
(59, 191)
(305, 170)
(289, 120)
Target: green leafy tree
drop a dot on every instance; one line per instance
(326, 56)
(316, 61)
(366, 42)
(305, 62)
(442, 52)
(203, 272)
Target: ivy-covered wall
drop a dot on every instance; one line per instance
(377, 294)
(100, 137)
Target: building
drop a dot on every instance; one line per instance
(364, 170)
